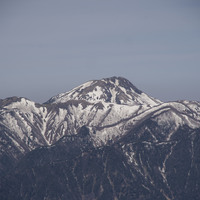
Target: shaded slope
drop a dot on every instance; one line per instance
(135, 167)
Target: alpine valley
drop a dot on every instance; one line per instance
(103, 140)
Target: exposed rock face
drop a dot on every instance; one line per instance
(103, 140)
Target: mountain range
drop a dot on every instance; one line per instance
(105, 139)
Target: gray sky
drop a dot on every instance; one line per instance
(50, 46)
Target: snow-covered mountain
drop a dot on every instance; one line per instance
(113, 111)
(95, 104)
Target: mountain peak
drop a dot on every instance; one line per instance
(123, 82)
(116, 90)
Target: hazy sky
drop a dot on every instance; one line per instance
(50, 46)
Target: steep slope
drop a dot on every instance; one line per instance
(135, 167)
(168, 159)
(21, 128)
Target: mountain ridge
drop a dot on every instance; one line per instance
(102, 114)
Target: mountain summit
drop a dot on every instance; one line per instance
(111, 90)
